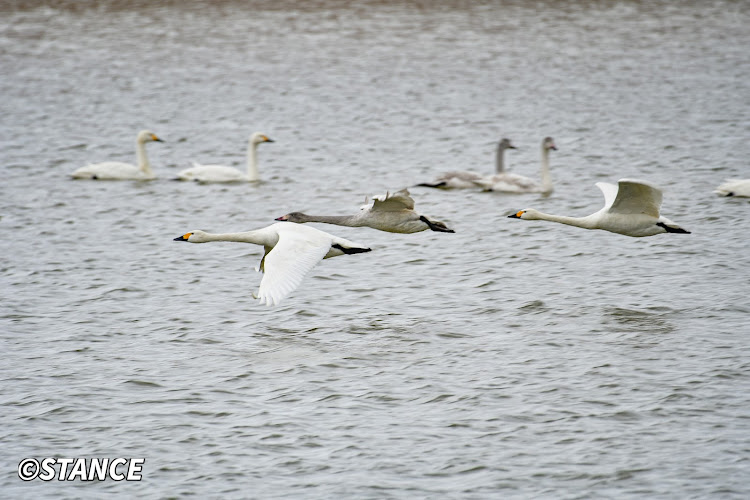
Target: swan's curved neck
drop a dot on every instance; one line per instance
(499, 161)
(252, 162)
(141, 158)
(584, 222)
(339, 220)
(547, 186)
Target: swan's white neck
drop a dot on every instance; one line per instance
(252, 161)
(547, 186)
(141, 158)
(257, 237)
(584, 222)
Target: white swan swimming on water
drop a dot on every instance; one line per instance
(118, 171)
(514, 183)
(393, 213)
(221, 173)
(291, 251)
(466, 179)
(630, 208)
(734, 187)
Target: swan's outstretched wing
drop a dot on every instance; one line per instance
(636, 197)
(287, 264)
(609, 191)
(400, 200)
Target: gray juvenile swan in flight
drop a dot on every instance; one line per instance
(119, 171)
(630, 208)
(291, 251)
(466, 179)
(393, 213)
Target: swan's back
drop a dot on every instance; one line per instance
(734, 187)
(111, 170)
(211, 173)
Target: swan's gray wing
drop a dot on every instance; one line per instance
(636, 197)
(396, 202)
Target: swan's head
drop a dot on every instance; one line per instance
(526, 214)
(258, 138)
(297, 217)
(147, 136)
(548, 143)
(505, 144)
(196, 236)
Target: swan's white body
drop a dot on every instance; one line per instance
(221, 173)
(470, 180)
(734, 187)
(513, 183)
(291, 251)
(119, 171)
(393, 213)
(630, 208)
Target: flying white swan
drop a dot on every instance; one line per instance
(291, 251)
(734, 187)
(220, 173)
(468, 180)
(115, 170)
(514, 183)
(393, 213)
(630, 208)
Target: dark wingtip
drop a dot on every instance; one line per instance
(434, 185)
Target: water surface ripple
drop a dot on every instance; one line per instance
(512, 359)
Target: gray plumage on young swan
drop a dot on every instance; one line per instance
(466, 179)
(393, 213)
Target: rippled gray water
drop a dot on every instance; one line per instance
(512, 359)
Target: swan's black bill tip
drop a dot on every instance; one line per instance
(514, 216)
(180, 238)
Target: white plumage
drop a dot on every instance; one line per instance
(119, 171)
(291, 251)
(630, 208)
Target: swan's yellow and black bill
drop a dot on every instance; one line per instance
(155, 138)
(516, 215)
(184, 237)
(267, 139)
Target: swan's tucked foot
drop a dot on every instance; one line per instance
(351, 250)
(435, 225)
(673, 229)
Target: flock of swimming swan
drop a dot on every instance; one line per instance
(291, 250)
